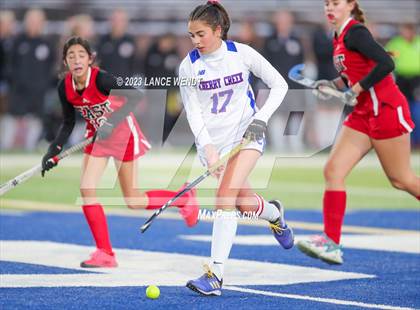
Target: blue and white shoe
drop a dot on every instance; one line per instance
(208, 284)
(282, 233)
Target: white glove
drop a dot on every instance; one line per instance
(350, 97)
(319, 94)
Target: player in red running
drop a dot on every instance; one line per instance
(86, 89)
(380, 121)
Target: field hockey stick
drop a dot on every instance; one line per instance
(296, 75)
(4, 188)
(194, 183)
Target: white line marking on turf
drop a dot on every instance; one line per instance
(317, 299)
(11, 212)
(141, 268)
(389, 243)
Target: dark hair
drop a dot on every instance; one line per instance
(74, 41)
(214, 14)
(357, 12)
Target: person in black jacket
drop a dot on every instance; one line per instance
(117, 49)
(284, 49)
(7, 27)
(322, 43)
(162, 60)
(32, 60)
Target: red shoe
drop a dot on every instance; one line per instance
(191, 209)
(100, 259)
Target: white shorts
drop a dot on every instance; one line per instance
(226, 148)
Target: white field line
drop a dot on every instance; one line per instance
(159, 268)
(315, 299)
(27, 205)
(389, 243)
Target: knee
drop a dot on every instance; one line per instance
(130, 203)
(226, 199)
(246, 202)
(135, 200)
(332, 172)
(398, 182)
(87, 192)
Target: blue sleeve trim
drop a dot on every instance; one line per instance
(194, 55)
(231, 46)
(251, 100)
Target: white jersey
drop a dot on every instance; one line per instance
(222, 105)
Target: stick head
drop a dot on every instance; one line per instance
(295, 73)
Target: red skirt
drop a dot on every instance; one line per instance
(126, 143)
(391, 122)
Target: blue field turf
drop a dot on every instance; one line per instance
(396, 284)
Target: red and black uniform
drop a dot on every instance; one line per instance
(382, 111)
(125, 143)
(97, 106)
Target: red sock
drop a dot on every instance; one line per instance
(96, 219)
(334, 208)
(157, 198)
(418, 197)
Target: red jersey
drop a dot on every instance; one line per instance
(93, 106)
(127, 141)
(353, 66)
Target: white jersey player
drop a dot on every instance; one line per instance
(222, 106)
(221, 110)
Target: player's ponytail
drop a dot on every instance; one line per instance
(358, 13)
(213, 14)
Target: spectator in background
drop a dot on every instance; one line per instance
(323, 118)
(406, 49)
(248, 35)
(284, 49)
(7, 32)
(116, 50)
(322, 45)
(81, 25)
(162, 57)
(32, 60)
(162, 60)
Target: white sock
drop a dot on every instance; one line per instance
(224, 230)
(266, 210)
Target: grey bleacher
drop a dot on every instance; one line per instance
(387, 11)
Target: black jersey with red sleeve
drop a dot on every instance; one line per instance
(360, 59)
(94, 103)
